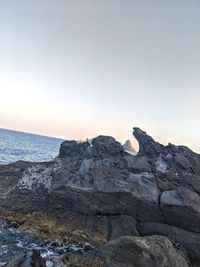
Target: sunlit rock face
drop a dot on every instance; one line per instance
(98, 185)
(129, 148)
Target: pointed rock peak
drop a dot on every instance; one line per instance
(128, 146)
(147, 145)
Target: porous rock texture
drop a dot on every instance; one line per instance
(98, 188)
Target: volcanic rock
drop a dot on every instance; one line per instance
(132, 251)
(96, 188)
(190, 241)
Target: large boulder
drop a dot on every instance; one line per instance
(132, 251)
(99, 147)
(190, 241)
(71, 149)
(106, 146)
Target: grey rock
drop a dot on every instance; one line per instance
(132, 251)
(97, 183)
(106, 146)
(144, 186)
(181, 207)
(26, 259)
(100, 147)
(122, 225)
(190, 241)
(70, 149)
(137, 164)
(147, 145)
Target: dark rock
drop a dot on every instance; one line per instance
(181, 207)
(99, 189)
(138, 164)
(14, 225)
(70, 149)
(37, 260)
(131, 251)
(26, 259)
(190, 241)
(122, 226)
(147, 146)
(183, 158)
(106, 146)
(100, 147)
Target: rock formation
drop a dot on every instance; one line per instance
(106, 193)
(128, 146)
(148, 251)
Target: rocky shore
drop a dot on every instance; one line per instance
(133, 211)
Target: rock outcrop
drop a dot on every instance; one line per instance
(132, 251)
(99, 189)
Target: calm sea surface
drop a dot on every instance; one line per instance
(24, 146)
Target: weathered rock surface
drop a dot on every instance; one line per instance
(148, 147)
(105, 193)
(132, 251)
(176, 203)
(182, 238)
(100, 147)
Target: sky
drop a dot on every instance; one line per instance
(80, 68)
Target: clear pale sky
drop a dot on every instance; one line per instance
(79, 68)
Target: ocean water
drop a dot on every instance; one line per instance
(16, 146)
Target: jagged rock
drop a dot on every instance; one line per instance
(131, 251)
(190, 241)
(11, 174)
(147, 146)
(100, 147)
(104, 192)
(178, 158)
(72, 149)
(106, 146)
(182, 158)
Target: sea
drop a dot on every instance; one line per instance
(16, 146)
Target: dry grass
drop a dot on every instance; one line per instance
(47, 227)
